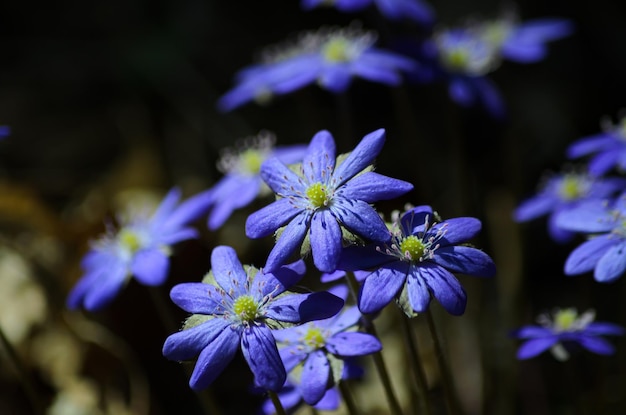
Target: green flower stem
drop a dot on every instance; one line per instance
(277, 405)
(418, 371)
(22, 374)
(347, 398)
(381, 368)
(452, 401)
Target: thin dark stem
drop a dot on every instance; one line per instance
(277, 405)
(348, 399)
(451, 399)
(418, 371)
(381, 368)
(22, 374)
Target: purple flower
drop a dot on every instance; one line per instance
(139, 248)
(317, 350)
(329, 57)
(419, 261)
(564, 330)
(323, 197)
(608, 149)
(563, 192)
(416, 10)
(236, 307)
(242, 183)
(5, 131)
(604, 251)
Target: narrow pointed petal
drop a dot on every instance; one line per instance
(326, 240)
(353, 344)
(290, 239)
(319, 161)
(445, 288)
(589, 217)
(214, 358)
(84, 285)
(197, 298)
(361, 219)
(465, 260)
(260, 351)
(189, 210)
(267, 220)
(228, 271)
(150, 267)
(315, 377)
(533, 208)
(588, 145)
(419, 294)
(371, 187)
(586, 256)
(167, 205)
(187, 344)
(330, 401)
(101, 295)
(529, 332)
(362, 156)
(382, 286)
(596, 345)
(534, 347)
(280, 280)
(458, 230)
(280, 178)
(290, 355)
(178, 235)
(316, 306)
(612, 264)
(348, 318)
(600, 328)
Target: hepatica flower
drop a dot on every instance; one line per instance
(564, 330)
(321, 346)
(418, 262)
(605, 251)
(323, 196)
(563, 192)
(607, 149)
(140, 248)
(416, 10)
(235, 307)
(328, 57)
(242, 183)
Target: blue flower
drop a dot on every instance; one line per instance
(140, 248)
(242, 183)
(563, 331)
(416, 10)
(329, 57)
(608, 149)
(562, 192)
(419, 260)
(237, 307)
(317, 349)
(323, 197)
(5, 131)
(604, 251)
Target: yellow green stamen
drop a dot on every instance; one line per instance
(412, 247)
(314, 338)
(130, 240)
(246, 308)
(251, 160)
(317, 195)
(337, 50)
(564, 320)
(571, 188)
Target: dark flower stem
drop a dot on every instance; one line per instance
(348, 399)
(418, 371)
(277, 405)
(22, 374)
(448, 385)
(381, 368)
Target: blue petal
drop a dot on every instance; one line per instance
(150, 266)
(382, 286)
(319, 305)
(290, 239)
(445, 288)
(596, 345)
(260, 351)
(108, 287)
(176, 235)
(197, 298)
(84, 285)
(588, 145)
(330, 401)
(230, 193)
(461, 92)
(586, 256)
(290, 355)
(167, 205)
(371, 187)
(466, 260)
(532, 348)
(557, 233)
(326, 240)
(214, 358)
(413, 220)
(591, 216)
(187, 344)
(315, 377)
(280, 178)
(188, 211)
(361, 219)
(458, 230)
(363, 257)
(612, 264)
(534, 207)
(349, 344)
(417, 10)
(603, 162)
(319, 161)
(286, 308)
(347, 319)
(418, 292)
(529, 332)
(278, 281)
(362, 156)
(267, 220)
(600, 328)
(228, 271)
(336, 77)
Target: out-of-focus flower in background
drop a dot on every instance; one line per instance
(416, 10)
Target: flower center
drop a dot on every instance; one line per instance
(412, 247)
(564, 319)
(130, 240)
(250, 161)
(317, 195)
(572, 187)
(246, 308)
(337, 50)
(314, 338)
(456, 59)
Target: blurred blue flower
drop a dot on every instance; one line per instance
(5, 131)
(562, 192)
(419, 261)
(416, 10)
(242, 183)
(328, 57)
(235, 307)
(318, 349)
(140, 248)
(604, 251)
(325, 196)
(563, 331)
(608, 149)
